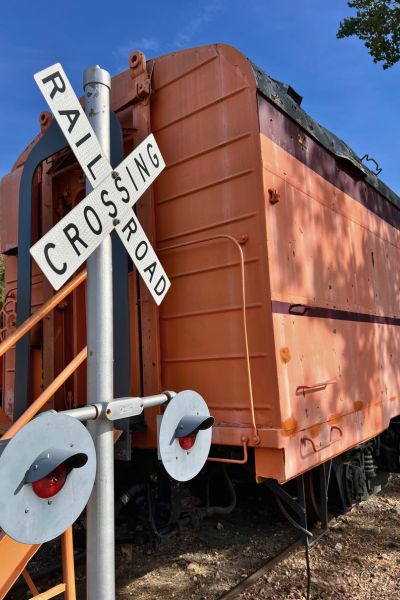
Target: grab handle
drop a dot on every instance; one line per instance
(298, 309)
(317, 387)
(305, 439)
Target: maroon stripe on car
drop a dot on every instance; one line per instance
(303, 310)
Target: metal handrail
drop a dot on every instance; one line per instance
(45, 396)
(67, 548)
(42, 312)
(224, 236)
(234, 461)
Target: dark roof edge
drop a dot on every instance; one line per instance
(276, 92)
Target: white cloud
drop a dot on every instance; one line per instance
(151, 44)
(144, 44)
(204, 14)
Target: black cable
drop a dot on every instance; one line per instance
(308, 571)
(221, 510)
(308, 534)
(291, 520)
(133, 491)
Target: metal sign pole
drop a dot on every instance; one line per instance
(99, 315)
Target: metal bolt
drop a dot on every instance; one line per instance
(116, 222)
(49, 501)
(35, 467)
(114, 174)
(26, 510)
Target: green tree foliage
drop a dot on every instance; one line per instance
(377, 24)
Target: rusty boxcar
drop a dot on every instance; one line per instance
(282, 250)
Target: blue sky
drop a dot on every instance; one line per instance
(292, 40)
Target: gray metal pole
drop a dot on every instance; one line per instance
(99, 314)
(83, 413)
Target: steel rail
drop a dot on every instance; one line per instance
(268, 566)
(249, 581)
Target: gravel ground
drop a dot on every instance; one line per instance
(205, 563)
(358, 559)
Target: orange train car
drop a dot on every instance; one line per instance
(282, 249)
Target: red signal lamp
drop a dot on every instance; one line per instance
(51, 484)
(188, 428)
(187, 441)
(48, 473)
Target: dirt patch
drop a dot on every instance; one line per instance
(203, 564)
(358, 559)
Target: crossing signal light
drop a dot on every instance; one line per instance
(185, 435)
(188, 428)
(187, 441)
(51, 484)
(48, 472)
(39, 500)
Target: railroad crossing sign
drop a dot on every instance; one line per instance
(69, 243)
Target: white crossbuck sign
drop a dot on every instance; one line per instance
(69, 243)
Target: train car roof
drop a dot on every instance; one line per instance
(288, 100)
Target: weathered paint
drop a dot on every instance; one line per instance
(312, 234)
(334, 256)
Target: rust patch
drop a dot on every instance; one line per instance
(334, 419)
(315, 430)
(289, 426)
(285, 354)
(358, 405)
(392, 398)
(301, 139)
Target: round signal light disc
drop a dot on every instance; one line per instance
(184, 457)
(36, 510)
